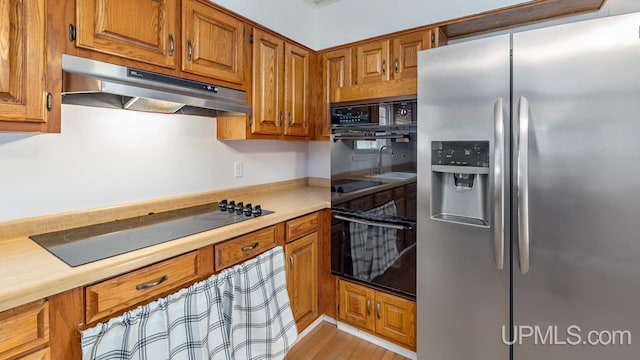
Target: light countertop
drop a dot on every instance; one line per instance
(29, 272)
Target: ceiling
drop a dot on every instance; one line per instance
(318, 3)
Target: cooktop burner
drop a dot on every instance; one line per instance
(86, 244)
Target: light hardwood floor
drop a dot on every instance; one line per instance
(326, 342)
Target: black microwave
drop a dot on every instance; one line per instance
(381, 113)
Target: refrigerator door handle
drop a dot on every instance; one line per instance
(523, 184)
(498, 184)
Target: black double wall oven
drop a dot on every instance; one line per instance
(373, 166)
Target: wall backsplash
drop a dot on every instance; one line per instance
(108, 157)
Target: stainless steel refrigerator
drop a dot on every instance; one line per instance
(529, 195)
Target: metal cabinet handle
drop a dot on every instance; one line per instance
(378, 309)
(523, 184)
(251, 247)
(281, 119)
(290, 119)
(384, 67)
(396, 63)
(189, 50)
(291, 262)
(498, 184)
(368, 306)
(152, 284)
(172, 44)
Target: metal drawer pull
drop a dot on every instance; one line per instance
(155, 283)
(368, 306)
(397, 65)
(378, 309)
(251, 247)
(291, 262)
(189, 50)
(172, 45)
(384, 67)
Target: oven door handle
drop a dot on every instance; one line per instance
(373, 223)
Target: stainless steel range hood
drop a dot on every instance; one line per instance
(95, 83)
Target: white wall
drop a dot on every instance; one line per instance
(294, 19)
(319, 159)
(108, 157)
(351, 20)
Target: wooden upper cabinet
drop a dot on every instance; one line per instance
(337, 69)
(268, 67)
(405, 53)
(296, 89)
(23, 94)
(143, 30)
(302, 279)
(213, 43)
(372, 62)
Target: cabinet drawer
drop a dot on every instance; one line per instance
(362, 203)
(110, 296)
(299, 227)
(23, 328)
(43, 354)
(244, 247)
(382, 197)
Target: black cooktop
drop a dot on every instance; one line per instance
(86, 244)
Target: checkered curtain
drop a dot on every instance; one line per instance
(241, 313)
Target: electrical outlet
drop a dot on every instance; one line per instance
(237, 169)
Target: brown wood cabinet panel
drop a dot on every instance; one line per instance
(396, 318)
(66, 313)
(24, 328)
(213, 42)
(372, 62)
(382, 197)
(143, 30)
(244, 247)
(362, 203)
(22, 65)
(356, 305)
(42, 354)
(296, 89)
(405, 53)
(301, 226)
(302, 279)
(268, 65)
(108, 297)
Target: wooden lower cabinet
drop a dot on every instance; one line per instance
(302, 279)
(24, 331)
(43, 354)
(388, 316)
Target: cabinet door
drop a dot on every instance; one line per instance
(372, 62)
(405, 53)
(337, 74)
(22, 62)
(43, 354)
(302, 279)
(296, 91)
(356, 305)
(396, 318)
(213, 43)
(143, 30)
(337, 68)
(268, 58)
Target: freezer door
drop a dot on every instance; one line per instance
(463, 261)
(577, 96)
